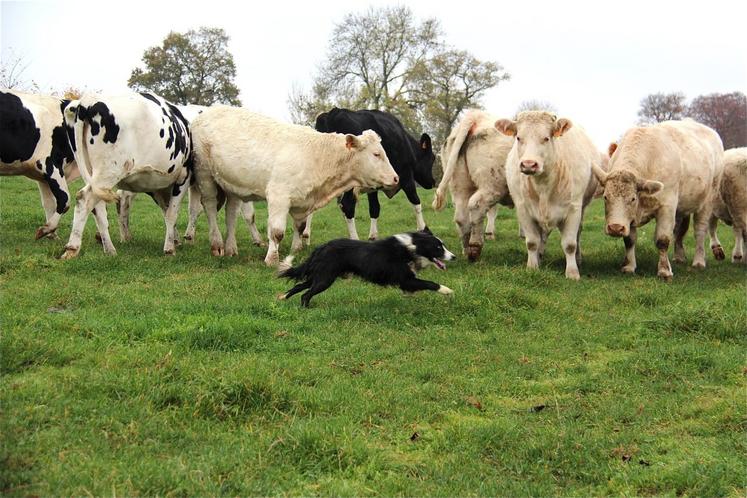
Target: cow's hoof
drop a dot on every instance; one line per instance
(41, 232)
(718, 253)
(572, 275)
(473, 252)
(629, 269)
(189, 238)
(231, 252)
(70, 253)
(272, 260)
(216, 250)
(680, 260)
(490, 235)
(737, 258)
(373, 237)
(665, 275)
(699, 264)
(110, 251)
(169, 252)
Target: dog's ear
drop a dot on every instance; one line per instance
(427, 230)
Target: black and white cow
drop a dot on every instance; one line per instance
(34, 143)
(412, 160)
(135, 142)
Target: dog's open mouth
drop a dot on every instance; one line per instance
(439, 264)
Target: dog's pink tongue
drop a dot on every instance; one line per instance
(439, 264)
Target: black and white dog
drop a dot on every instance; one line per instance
(391, 261)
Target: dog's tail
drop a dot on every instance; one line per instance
(287, 270)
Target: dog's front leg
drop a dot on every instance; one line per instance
(415, 284)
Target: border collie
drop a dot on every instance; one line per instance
(391, 261)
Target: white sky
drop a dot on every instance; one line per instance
(593, 61)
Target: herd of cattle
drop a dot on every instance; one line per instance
(545, 167)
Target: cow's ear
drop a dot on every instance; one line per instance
(611, 149)
(561, 126)
(352, 142)
(425, 143)
(506, 126)
(649, 186)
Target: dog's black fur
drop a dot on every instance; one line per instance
(391, 261)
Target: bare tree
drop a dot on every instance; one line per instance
(659, 107)
(12, 70)
(536, 105)
(724, 112)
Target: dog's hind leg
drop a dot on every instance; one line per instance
(416, 284)
(317, 287)
(296, 289)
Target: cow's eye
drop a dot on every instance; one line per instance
(376, 154)
(632, 199)
(547, 139)
(605, 197)
(518, 139)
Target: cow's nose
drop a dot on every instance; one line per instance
(396, 179)
(615, 229)
(529, 164)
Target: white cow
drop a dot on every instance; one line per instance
(190, 112)
(549, 175)
(666, 171)
(474, 158)
(135, 142)
(730, 205)
(296, 168)
(34, 143)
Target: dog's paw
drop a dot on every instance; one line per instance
(445, 290)
(282, 296)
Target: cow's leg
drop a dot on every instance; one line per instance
(374, 210)
(461, 218)
(209, 199)
(195, 208)
(740, 240)
(49, 204)
(170, 202)
(123, 214)
(701, 219)
(86, 200)
(347, 204)
(478, 206)
(411, 191)
(57, 185)
(306, 235)
(629, 265)
(299, 225)
(233, 205)
(716, 247)
(247, 212)
(490, 227)
(569, 231)
(681, 225)
(578, 240)
(102, 225)
(532, 237)
(277, 213)
(665, 220)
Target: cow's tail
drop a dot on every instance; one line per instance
(462, 132)
(78, 118)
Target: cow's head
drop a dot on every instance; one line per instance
(535, 133)
(623, 190)
(371, 165)
(424, 164)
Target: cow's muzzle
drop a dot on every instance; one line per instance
(529, 167)
(617, 230)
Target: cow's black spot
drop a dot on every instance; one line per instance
(19, 134)
(91, 141)
(108, 123)
(171, 169)
(61, 197)
(170, 140)
(94, 128)
(161, 133)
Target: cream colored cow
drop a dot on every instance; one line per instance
(666, 172)
(296, 168)
(730, 205)
(474, 157)
(548, 172)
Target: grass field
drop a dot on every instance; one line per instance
(146, 375)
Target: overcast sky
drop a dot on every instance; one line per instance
(593, 61)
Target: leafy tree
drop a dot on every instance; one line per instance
(386, 59)
(190, 68)
(659, 107)
(724, 112)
